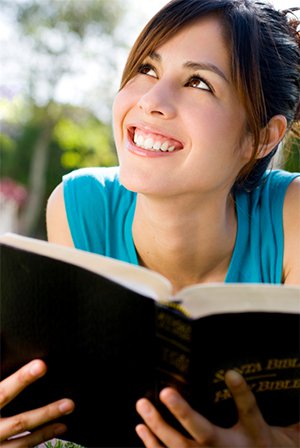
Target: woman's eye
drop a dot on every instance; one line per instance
(198, 83)
(147, 69)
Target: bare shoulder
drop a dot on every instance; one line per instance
(291, 223)
(56, 218)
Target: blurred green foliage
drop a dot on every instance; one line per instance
(84, 143)
(42, 138)
(73, 15)
(291, 150)
(77, 139)
(57, 443)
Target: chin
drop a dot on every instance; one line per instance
(132, 181)
(139, 182)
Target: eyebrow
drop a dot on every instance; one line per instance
(195, 65)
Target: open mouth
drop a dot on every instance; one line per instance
(150, 141)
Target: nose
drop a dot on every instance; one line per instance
(158, 100)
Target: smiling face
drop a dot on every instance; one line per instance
(179, 125)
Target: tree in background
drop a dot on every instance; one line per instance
(78, 139)
(42, 136)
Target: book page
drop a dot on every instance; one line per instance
(139, 279)
(216, 298)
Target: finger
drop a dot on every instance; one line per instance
(148, 438)
(249, 414)
(37, 437)
(15, 383)
(11, 426)
(164, 432)
(196, 425)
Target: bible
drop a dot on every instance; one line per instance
(111, 333)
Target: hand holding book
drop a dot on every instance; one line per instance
(251, 431)
(20, 425)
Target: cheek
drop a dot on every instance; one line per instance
(207, 124)
(217, 133)
(119, 111)
(223, 126)
(124, 101)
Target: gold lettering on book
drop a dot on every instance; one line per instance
(262, 386)
(263, 377)
(257, 367)
(222, 395)
(244, 369)
(170, 324)
(286, 363)
(278, 385)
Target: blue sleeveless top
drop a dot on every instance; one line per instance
(100, 213)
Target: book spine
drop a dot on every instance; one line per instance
(173, 349)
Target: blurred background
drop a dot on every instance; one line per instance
(61, 64)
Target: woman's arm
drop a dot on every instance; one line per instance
(56, 218)
(291, 226)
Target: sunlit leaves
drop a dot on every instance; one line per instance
(87, 143)
(71, 15)
(291, 150)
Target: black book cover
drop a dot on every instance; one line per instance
(106, 346)
(263, 347)
(96, 337)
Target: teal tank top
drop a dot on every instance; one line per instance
(100, 213)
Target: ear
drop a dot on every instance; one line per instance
(272, 134)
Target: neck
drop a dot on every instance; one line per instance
(185, 240)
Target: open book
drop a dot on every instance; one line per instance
(111, 333)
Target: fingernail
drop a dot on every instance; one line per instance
(36, 369)
(172, 400)
(144, 407)
(66, 407)
(234, 377)
(141, 431)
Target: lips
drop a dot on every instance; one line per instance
(149, 140)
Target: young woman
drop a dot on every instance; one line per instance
(209, 91)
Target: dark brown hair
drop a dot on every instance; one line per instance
(264, 47)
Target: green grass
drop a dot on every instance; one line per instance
(60, 444)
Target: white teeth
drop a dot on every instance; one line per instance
(151, 145)
(164, 146)
(140, 141)
(148, 143)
